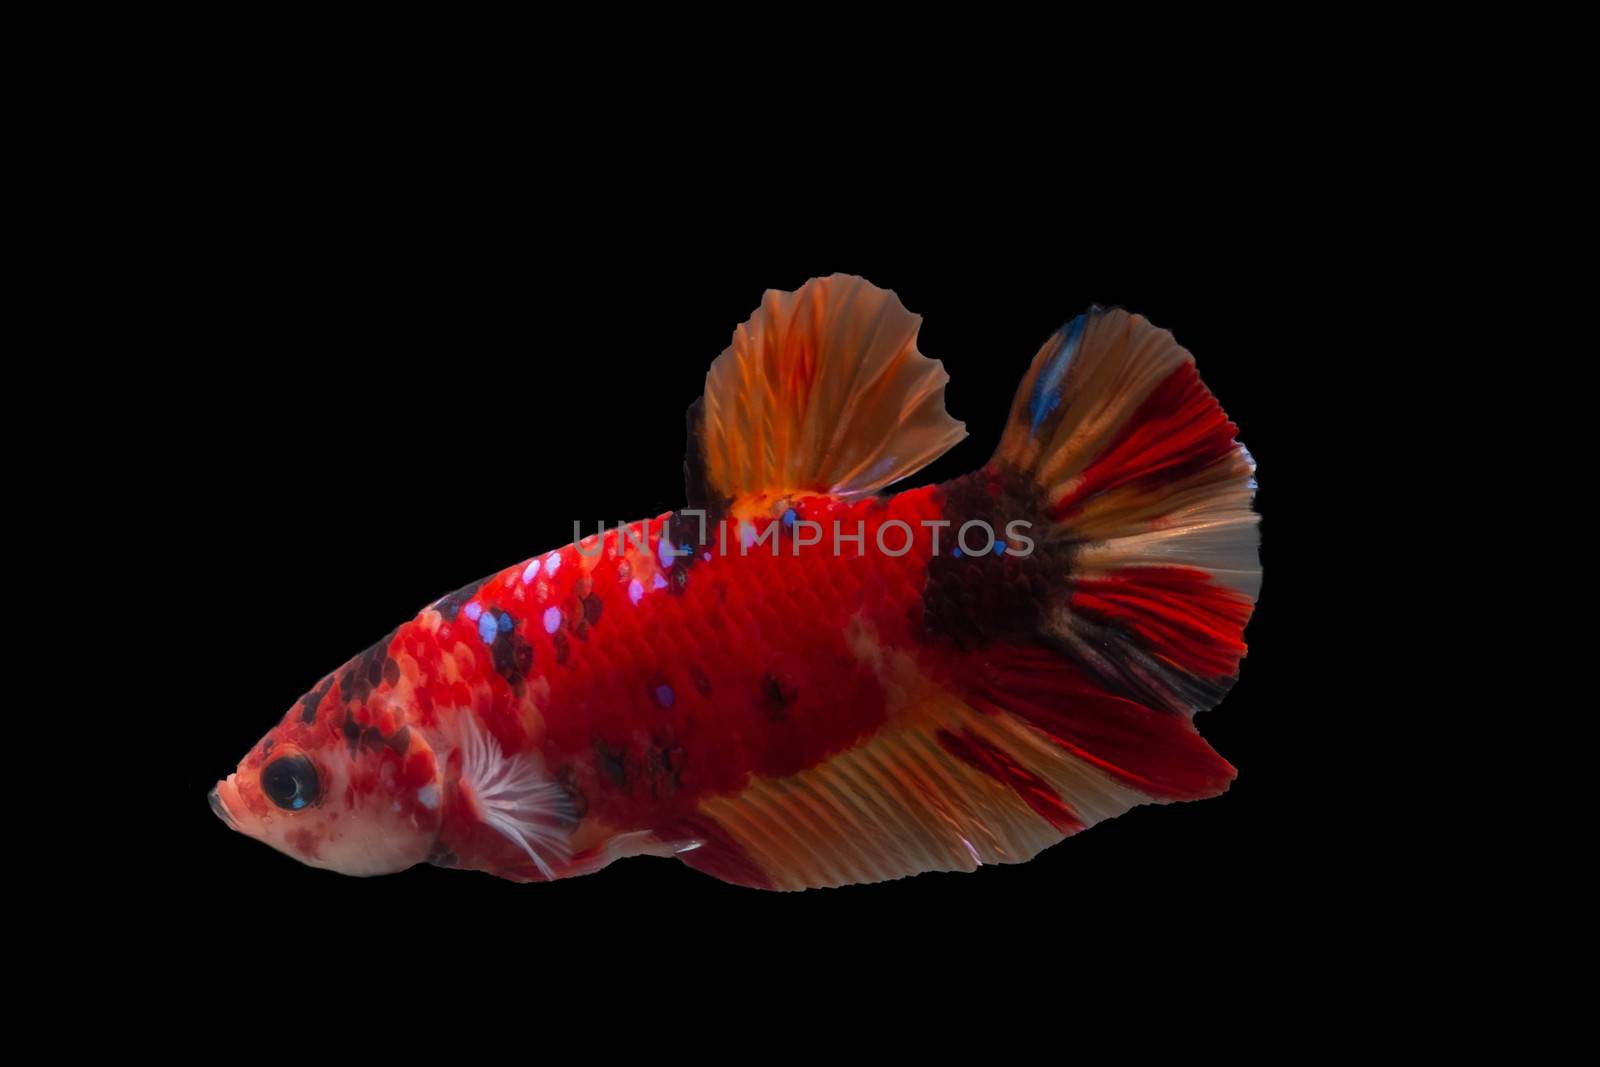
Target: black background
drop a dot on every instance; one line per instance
(399, 403)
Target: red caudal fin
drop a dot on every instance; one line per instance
(1151, 751)
(1140, 476)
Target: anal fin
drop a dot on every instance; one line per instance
(949, 788)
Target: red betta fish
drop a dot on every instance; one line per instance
(803, 679)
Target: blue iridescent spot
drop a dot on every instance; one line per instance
(664, 695)
(956, 552)
(487, 628)
(789, 517)
(472, 611)
(505, 623)
(552, 620)
(1047, 387)
(999, 548)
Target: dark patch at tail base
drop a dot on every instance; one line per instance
(977, 602)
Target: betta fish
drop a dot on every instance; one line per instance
(803, 678)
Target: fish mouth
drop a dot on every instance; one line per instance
(221, 810)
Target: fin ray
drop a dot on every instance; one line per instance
(1140, 473)
(908, 801)
(515, 797)
(823, 390)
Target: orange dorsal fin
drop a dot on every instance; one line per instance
(822, 391)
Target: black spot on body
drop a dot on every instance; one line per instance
(701, 682)
(612, 765)
(568, 779)
(674, 756)
(690, 535)
(371, 739)
(687, 534)
(591, 608)
(778, 694)
(513, 655)
(309, 702)
(364, 673)
(665, 768)
(563, 647)
(572, 618)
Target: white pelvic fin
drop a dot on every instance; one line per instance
(516, 797)
(623, 846)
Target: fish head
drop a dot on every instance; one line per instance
(342, 783)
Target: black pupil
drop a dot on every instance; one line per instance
(290, 782)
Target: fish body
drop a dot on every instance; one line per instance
(804, 679)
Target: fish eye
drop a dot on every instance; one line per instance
(291, 782)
